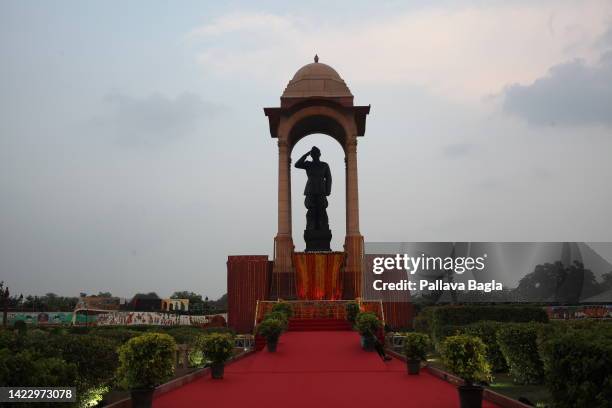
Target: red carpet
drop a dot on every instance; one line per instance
(315, 369)
(319, 324)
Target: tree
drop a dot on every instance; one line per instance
(606, 281)
(558, 283)
(150, 295)
(4, 296)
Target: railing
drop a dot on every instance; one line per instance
(244, 341)
(319, 309)
(395, 341)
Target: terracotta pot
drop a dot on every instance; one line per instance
(470, 396)
(142, 397)
(414, 366)
(217, 370)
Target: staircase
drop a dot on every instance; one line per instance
(318, 324)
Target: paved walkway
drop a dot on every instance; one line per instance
(315, 369)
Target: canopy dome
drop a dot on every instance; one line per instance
(316, 80)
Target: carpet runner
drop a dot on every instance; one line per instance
(318, 368)
(318, 324)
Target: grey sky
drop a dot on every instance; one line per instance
(135, 156)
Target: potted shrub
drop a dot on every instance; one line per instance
(368, 325)
(352, 310)
(281, 316)
(465, 356)
(216, 348)
(415, 349)
(283, 307)
(145, 362)
(271, 329)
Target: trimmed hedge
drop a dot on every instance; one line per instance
(27, 368)
(487, 331)
(422, 321)
(578, 367)
(466, 314)
(441, 316)
(95, 357)
(519, 346)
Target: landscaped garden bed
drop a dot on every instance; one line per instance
(87, 357)
(547, 364)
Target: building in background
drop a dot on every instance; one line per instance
(172, 305)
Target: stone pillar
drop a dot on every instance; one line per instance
(353, 244)
(283, 285)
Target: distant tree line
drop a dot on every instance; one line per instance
(52, 302)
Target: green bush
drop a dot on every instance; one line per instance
(29, 369)
(216, 347)
(39, 342)
(95, 357)
(445, 331)
(465, 356)
(487, 331)
(416, 346)
(119, 335)
(271, 329)
(519, 346)
(442, 316)
(20, 326)
(207, 330)
(184, 334)
(466, 314)
(422, 321)
(283, 307)
(146, 361)
(7, 339)
(352, 310)
(578, 367)
(79, 329)
(281, 316)
(367, 324)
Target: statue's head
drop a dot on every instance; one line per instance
(315, 152)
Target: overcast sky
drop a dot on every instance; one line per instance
(135, 155)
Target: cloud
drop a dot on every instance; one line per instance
(574, 93)
(154, 119)
(458, 150)
(459, 52)
(255, 22)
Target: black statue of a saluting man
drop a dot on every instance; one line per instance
(317, 234)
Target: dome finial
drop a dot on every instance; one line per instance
(316, 58)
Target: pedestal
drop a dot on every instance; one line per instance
(317, 240)
(318, 276)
